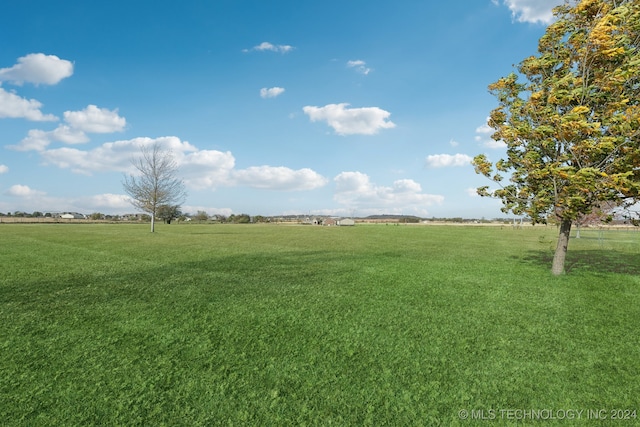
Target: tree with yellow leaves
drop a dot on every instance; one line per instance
(572, 127)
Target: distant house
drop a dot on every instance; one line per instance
(346, 222)
(132, 217)
(329, 221)
(71, 215)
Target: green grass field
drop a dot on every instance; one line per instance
(301, 325)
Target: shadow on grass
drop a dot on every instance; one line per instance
(600, 261)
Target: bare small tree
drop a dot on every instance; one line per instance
(157, 182)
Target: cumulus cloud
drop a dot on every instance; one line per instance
(355, 190)
(14, 107)
(92, 120)
(116, 156)
(4, 169)
(533, 11)
(23, 191)
(200, 169)
(37, 68)
(107, 201)
(266, 46)
(447, 160)
(68, 135)
(207, 168)
(484, 129)
(472, 192)
(350, 121)
(493, 144)
(36, 140)
(360, 66)
(271, 92)
(110, 156)
(353, 182)
(279, 178)
(483, 136)
(95, 120)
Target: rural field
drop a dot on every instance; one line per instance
(105, 324)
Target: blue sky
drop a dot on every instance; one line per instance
(270, 107)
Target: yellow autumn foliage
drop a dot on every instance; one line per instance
(571, 117)
(580, 109)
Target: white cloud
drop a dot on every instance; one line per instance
(271, 92)
(36, 140)
(484, 129)
(207, 168)
(70, 158)
(116, 157)
(279, 178)
(37, 68)
(107, 201)
(360, 66)
(453, 143)
(350, 121)
(92, 119)
(266, 46)
(68, 135)
(533, 11)
(23, 191)
(4, 169)
(353, 182)
(111, 156)
(472, 192)
(95, 120)
(483, 136)
(493, 144)
(14, 107)
(200, 169)
(356, 191)
(447, 160)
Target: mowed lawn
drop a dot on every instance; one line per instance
(104, 324)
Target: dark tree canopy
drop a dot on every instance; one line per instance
(201, 216)
(168, 213)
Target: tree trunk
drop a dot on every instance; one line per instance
(153, 223)
(561, 249)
